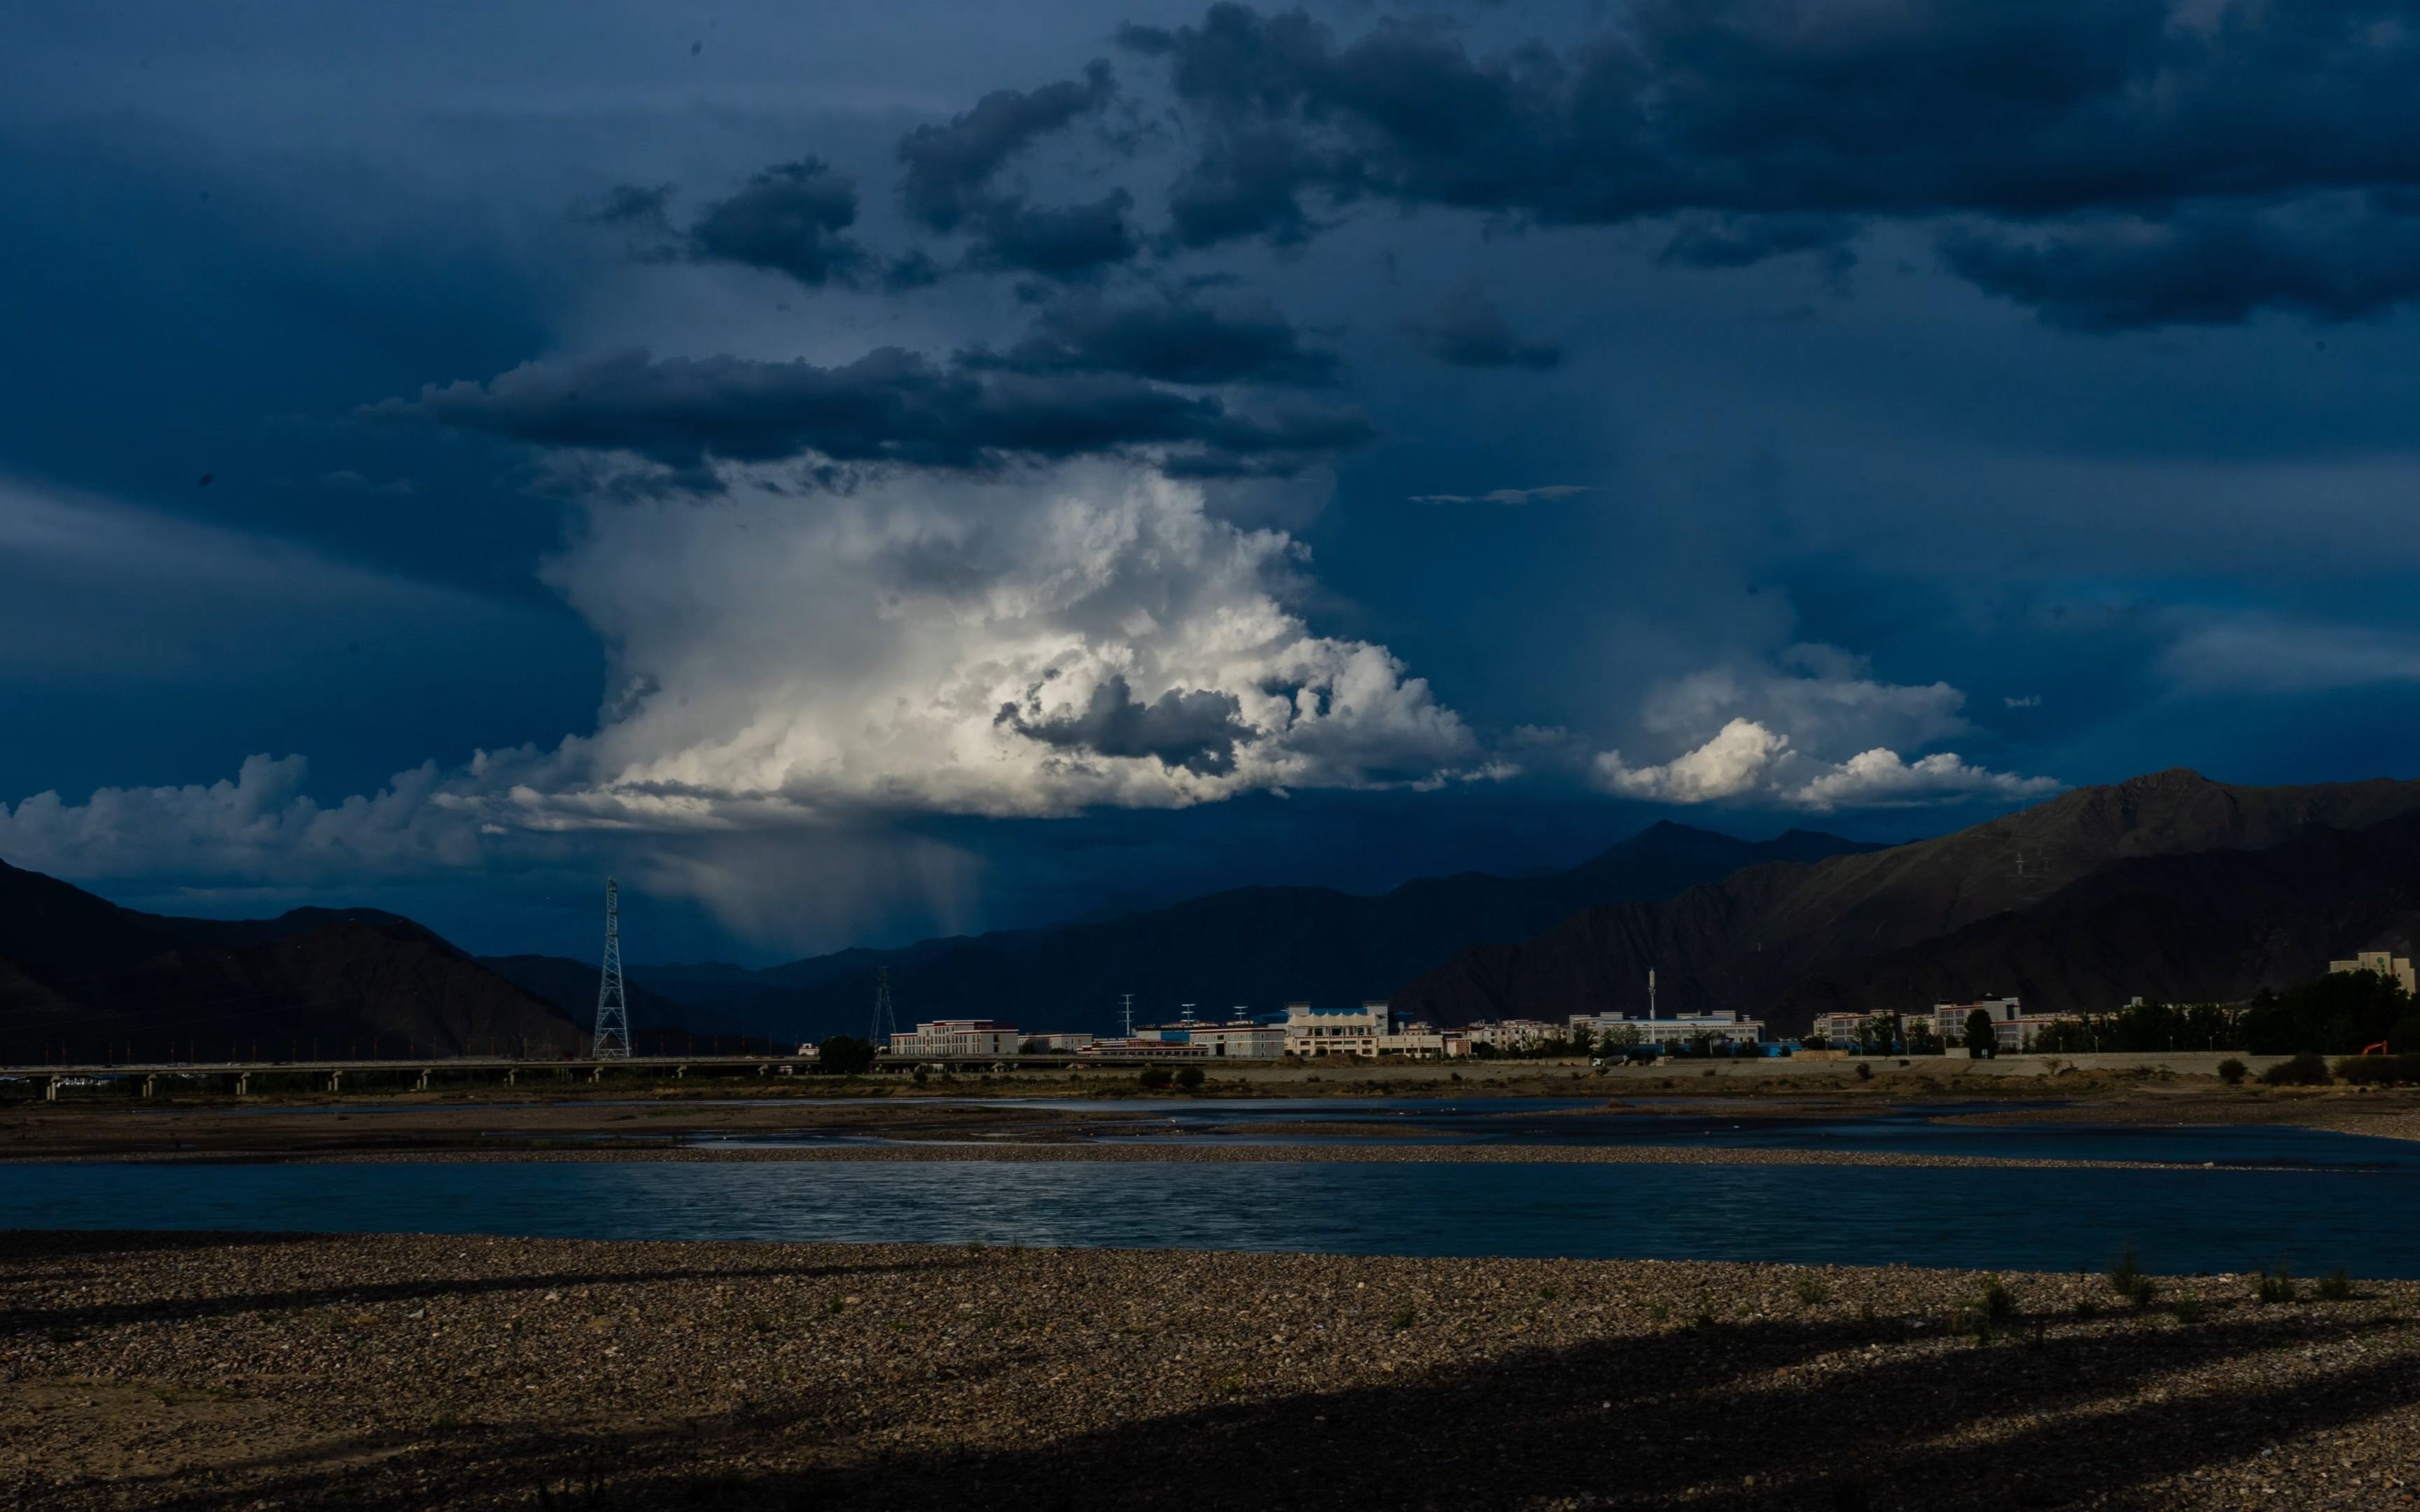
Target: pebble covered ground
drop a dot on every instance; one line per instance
(258, 1372)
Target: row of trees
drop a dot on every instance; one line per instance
(2341, 1013)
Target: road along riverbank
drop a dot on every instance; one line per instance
(213, 1371)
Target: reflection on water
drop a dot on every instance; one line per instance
(1711, 1123)
(2215, 1220)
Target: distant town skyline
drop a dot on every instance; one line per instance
(860, 476)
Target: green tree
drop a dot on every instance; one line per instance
(1981, 1037)
(2339, 1014)
(845, 1056)
(1879, 1034)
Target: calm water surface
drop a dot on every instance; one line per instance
(2314, 1200)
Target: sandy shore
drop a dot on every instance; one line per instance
(224, 1372)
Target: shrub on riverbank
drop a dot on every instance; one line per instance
(2231, 1071)
(2302, 1070)
(2378, 1069)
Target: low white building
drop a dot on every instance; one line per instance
(1513, 1034)
(1678, 1029)
(950, 1037)
(1056, 1044)
(1235, 1039)
(1142, 1047)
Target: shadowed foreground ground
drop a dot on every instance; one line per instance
(210, 1371)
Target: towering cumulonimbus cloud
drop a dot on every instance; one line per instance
(1026, 646)
(1090, 636)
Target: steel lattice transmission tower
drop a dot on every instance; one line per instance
(612, 1041)
(885, 1023)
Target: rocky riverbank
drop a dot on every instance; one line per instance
(224, 1372)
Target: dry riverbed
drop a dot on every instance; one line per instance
(981, 1122)
(226, 1372)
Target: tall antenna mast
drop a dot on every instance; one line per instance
(1129, 1000)
(1650, 994)
(886, 1024)
(612, 1041)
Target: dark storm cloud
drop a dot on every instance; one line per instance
(1468, 331)
(2327, 260)
(1197, 731)
(1818, 115)
(890, 406)
(1173, 339)
(1063, 242)
(1743, 240)
(952, 184)
(790, 219)
(642, 206)
(951, 168)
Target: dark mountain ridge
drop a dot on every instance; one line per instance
(2211, 926)
(1746, 942)
(1257, 947)
(83, 979)
(1249, 947)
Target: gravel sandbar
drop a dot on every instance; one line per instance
(222, 1372)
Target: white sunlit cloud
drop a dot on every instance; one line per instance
(1773, 732)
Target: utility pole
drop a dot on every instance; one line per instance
(612, 1041)
(886, 1023)
(1651, 994)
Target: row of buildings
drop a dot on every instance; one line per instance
(1374, 1030)
(1370, 1031)
(2011, 1025)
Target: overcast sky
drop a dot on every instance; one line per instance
(862, 471)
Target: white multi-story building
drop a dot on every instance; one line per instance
(1336, 1031)
(1370, 1030)
(1834, 1027)
(1950, 1019)
(2393, 967)
(1678, 1030)
(952, 1038)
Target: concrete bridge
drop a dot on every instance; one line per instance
(418, 1075)
(248, 1078)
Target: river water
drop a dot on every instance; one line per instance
(2253, 1197)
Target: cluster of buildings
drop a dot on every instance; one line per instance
(2011, 1025)
(1374, 1029)
(1368, 1031)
